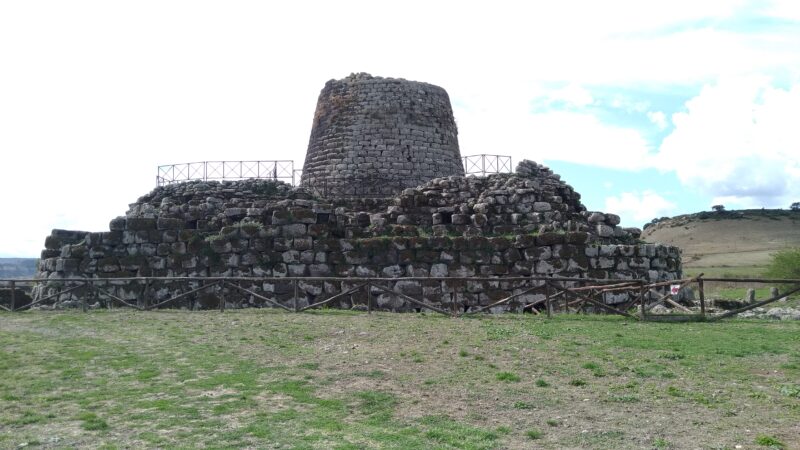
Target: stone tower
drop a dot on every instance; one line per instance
(370, 131)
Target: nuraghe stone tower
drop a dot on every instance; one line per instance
(371, 128)
(442, 227)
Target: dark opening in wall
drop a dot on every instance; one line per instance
(323, 217)
(447, 218)
(191, 224)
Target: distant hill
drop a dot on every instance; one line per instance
(731, 243)
(17, 267)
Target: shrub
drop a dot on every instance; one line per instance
(784, 264)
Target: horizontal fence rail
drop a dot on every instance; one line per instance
(486, 164)
(227, 170)
(534, 294)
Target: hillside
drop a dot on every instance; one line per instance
(17, 267)
(736, 243)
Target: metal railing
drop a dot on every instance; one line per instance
(486, 164)
(284, 170)
(227, 170)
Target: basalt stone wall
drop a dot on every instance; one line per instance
(367, 129)
(501, 226)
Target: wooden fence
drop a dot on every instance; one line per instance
(560, 295)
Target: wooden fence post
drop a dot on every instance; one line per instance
(369, 299)
(13, 295)
(547, 301)
(83, 298)
(96, 295)
(641, 301)
(221, 297)
(146, 295)
(702, 297)
(294, 299)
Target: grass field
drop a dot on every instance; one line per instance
(334, 379)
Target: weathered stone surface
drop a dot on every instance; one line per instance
(139, 224)
(390, 134)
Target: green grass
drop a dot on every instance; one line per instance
(508, 376)
(344, 380)
(534, 434)
(769, 441)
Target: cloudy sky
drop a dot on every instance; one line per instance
(646, 108)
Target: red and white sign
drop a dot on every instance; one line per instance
(674, 289)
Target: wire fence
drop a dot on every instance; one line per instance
(227, 170)
(486, 164)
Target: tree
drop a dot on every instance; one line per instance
(795, 206)
(718, 208)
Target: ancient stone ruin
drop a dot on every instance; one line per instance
(371, 130)
(453, 226)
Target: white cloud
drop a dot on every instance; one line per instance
(582, 138)
(738, 140)
(640, 206)
(658, 118)
(573, 95)
(94, 94)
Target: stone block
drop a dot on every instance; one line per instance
(108, 265)
(461, 219)
(319, 270)
(294, 230)
(169, 224)
(394, 271)
(408, 287)
(140, 224)
(604, 231)
(302, 243)
(612, 219)
(523, 241)
(303, 215)
(609, 250)
(541, 206)
(67, 264)
(576, 237)
(549, 238)
(230, 259)
(281, 217)
(117, 224)
(365, 271)
(297, 270)
(439, 270)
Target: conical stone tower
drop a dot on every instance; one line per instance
(380, 135)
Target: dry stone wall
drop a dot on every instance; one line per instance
(500, 226)
(369, 129)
